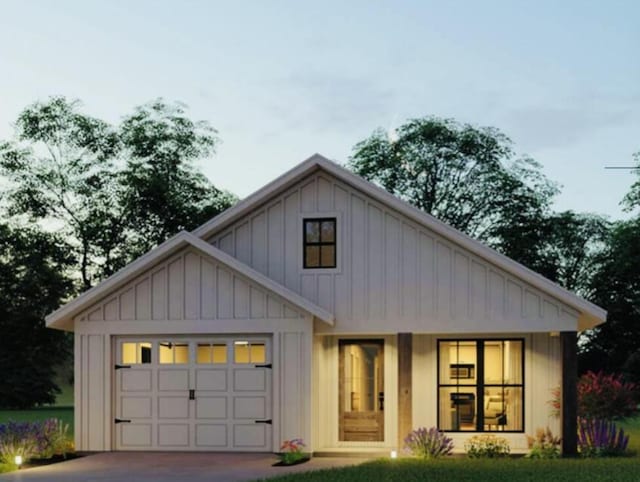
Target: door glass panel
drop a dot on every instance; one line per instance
(129, 353)
(258, 354)
(241, 351)
(181, 353)
(361, 390)
(135, 352)
(203, 353)
(220, 354)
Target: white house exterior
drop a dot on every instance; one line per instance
(320, 307)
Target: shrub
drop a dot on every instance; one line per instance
(54, 432)
(606, 397)
(19, 438)
(42, 439)
(487, 446)
(600, 438)
(291, 451)
(428, 444)
(544, 445)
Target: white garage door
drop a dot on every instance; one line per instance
(177, 393)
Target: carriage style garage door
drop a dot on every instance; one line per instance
(205, 393)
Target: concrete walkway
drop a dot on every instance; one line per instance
(170, 466)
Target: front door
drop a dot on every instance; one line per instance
(361, 391)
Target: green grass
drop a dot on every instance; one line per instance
(467, 470)
(486, 470)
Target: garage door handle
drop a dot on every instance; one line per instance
(268, 422)
(192, 394)
(266, 365)
(119, 420)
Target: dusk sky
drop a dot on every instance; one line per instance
(283, 80)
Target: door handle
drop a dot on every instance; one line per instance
(192, 394)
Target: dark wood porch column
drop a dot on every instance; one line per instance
(569, 342)
(405, 350)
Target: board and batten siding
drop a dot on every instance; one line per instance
(542, 374)
(189, 286)
(189, 294)
(393, 274)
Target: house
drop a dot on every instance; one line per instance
(321, 307)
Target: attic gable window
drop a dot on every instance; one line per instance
(319, 240)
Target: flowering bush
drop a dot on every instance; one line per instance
(19, 438)
(291, 451)
(487, 446)
(33, 440)
(428, 444)
(606, 397)
(600, 438)
(544, 445)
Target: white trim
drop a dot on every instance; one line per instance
(591, 314)
(63, 316)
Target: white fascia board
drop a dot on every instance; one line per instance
(595, 314)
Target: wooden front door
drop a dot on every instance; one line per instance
(361, 391)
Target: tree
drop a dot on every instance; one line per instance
(616, 287)
(112, 191)
(33, 281)
(632, 199)
(465, 176)
(61, 170)
(165, 192)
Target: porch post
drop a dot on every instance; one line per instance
(405, 342)
(569, 342)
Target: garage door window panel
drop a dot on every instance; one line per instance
(134, 353)
(249, 353)
(211, 353)
(174, 353)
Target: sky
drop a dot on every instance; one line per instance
(281, 80)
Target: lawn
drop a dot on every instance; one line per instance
(508, 470)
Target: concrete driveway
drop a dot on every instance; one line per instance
(170, 466)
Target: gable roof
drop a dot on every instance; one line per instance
(62, 318)
(590, 314)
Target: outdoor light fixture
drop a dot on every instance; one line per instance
(394, 454)
(18, 460)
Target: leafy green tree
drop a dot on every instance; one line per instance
(632, 199)
(165, 191)
(33, 281)
(61, 170)
(464, 175)
(616, 287)
(114, 192)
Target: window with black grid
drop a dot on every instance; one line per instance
(319, 237)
